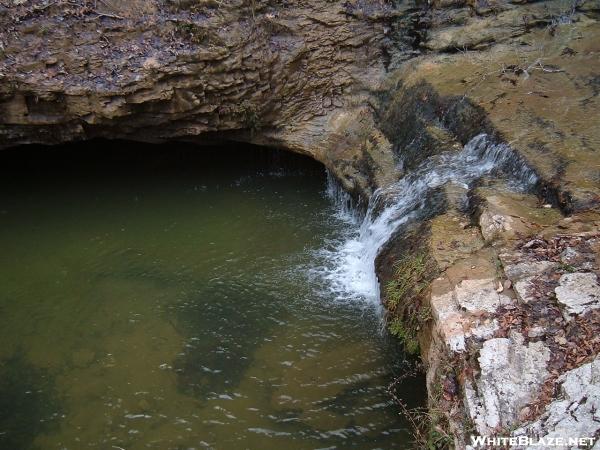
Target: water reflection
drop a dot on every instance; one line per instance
(147, 304)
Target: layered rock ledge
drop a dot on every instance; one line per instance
(505, 303)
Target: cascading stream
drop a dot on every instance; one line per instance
(351, 269)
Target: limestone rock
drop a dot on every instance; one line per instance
(460, 311)
(578, 293)
(154, 71)
(511, 375)
(493, 225)
(576, 411)
(527, 269)
(569, 255)
(522, 273)
(479, 296)
(284, 73)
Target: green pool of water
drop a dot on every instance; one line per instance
(167, 298)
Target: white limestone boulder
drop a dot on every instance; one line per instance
(578, 293)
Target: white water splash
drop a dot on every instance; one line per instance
(350, 272)
(346, 210)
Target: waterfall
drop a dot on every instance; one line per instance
(351, 270)
(346, 209)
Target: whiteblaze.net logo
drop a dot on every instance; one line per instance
(547, 442)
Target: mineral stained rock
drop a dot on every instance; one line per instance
(369, 88)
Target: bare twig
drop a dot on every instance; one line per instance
(112, 16)
(412, 415)
(406, 412)
(42, 8)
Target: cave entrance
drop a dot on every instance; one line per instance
(182, 296)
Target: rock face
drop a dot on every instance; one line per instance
(519, 97)
(574, 412)
(506, 310)
(461, 312)
(578, 293)
(511, 314)
(292, 74)
(369, 88)
(511, 372)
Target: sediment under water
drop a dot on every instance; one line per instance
(168, 298)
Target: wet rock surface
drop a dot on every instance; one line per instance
(507, 307)
(531, 68)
